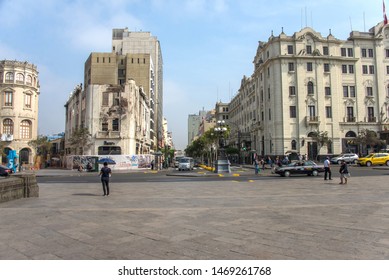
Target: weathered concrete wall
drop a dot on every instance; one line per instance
(18, 186)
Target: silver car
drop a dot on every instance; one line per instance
(349, 158)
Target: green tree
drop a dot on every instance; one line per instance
(42, 145)
(80, 140)
(321, 138)
(368, 138)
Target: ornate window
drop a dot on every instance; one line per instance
(25, 129)
(294, 145)
(8, 98)
(19, 78)
(8, 126)
(29, 80)
(27, 100)
(310, 88)
(9, 77)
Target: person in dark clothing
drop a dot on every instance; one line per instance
(105, 173)
(344, 174)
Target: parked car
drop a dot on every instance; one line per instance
(349, 158)
(186, 163)
(374, 159)
(5, 171)
(299, 167)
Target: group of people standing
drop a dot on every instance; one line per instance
(343, 171)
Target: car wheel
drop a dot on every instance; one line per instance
(339, 161)
(286, 173)
(368, 164)
(315, 173)
(355, 161)
(387, 163)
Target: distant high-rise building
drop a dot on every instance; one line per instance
(194, 121)
(19, 89)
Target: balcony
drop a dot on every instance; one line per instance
(349, 119)
(107, 134)
(371, 119)
(312, 120)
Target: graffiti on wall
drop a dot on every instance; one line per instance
(122, 162)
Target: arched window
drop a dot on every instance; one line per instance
(8, 126)
(310, 88)
(29, 80)
(9, 77)
(294, 145)
(19, 78)
(25, 129)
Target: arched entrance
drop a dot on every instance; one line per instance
(348, 143)
(24, 156)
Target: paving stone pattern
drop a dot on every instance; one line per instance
(285, 218)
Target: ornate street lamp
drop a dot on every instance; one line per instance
(222, 164)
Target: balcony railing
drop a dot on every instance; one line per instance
(349, 119)
(108, 134)
(371, 119)
(312, 120)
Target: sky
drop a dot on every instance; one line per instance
(207, 46)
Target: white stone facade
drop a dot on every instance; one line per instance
(19, 91)
(305, 83)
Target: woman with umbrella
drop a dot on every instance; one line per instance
(105, 173)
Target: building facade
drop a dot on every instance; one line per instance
(116, 116)
(19, 90)
(306, 83)
(121, 102)
(142, 47)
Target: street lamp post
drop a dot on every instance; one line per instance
(222, 164)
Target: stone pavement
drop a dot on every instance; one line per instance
(282, 218)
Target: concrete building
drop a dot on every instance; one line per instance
(117, 117)
(194, 122)
(143, 48)
(19, 89)
(306, 82)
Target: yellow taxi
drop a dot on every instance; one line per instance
(374, 159)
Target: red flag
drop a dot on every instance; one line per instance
(385, 18)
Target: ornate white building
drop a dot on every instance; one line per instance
(19, 90)
(305, 83)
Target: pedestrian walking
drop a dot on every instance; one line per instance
(344, 173)
(256, 166)
(105, 174)
(327, 169)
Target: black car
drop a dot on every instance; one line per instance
(299, 167)
(5, 171)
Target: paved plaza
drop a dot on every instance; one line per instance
(283, 218)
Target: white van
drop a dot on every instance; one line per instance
(185, 163)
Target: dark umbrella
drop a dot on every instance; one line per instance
(107, 160)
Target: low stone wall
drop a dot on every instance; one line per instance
(18, 186)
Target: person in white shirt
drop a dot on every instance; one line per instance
(327, 169)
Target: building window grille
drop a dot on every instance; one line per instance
(8, 126)
(25, 129)
(27, 100)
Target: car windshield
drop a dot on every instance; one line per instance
(369, 156)
(184, 160)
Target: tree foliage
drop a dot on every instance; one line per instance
(80, 139)
(369, 138)
(42, 145)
